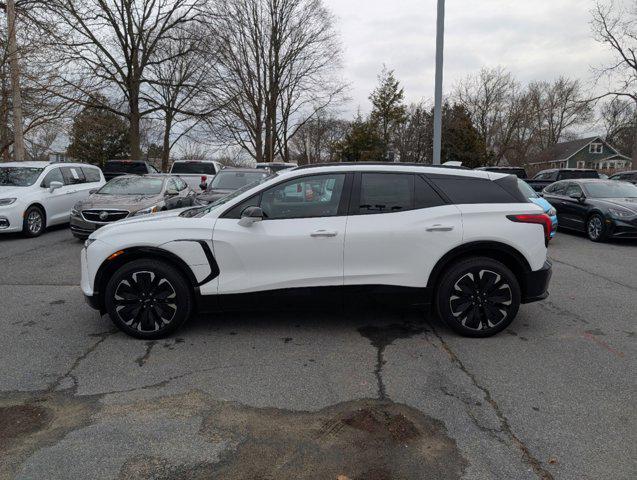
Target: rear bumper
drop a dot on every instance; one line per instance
(535, 284)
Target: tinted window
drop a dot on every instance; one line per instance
(54, 175)
(568, 174)
(199, 168)
(557, 188)
(232, 179)
(425, 196)
(91, 174)
(385, 193)
(125, 167)
(73, 175)
(573, 189)
(315, 196)
(465, 190)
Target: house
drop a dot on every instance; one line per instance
(592, 152)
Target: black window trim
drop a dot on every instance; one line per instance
(342, 205)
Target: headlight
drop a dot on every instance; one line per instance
(6, 201)
(88, 242)
(621, 213)
(147, 211)
(75, 212)
(552, 212)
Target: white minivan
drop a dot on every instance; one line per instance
(37, 195)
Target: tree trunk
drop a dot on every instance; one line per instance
(634, 152)
(4, 115)
(18, 135)
(165, 152)
(133, 140)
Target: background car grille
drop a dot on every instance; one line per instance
(111, 215)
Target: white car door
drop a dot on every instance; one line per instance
(55, 202)
(299, 242)
(398, 228)
(77, 188)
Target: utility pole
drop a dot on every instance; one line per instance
(14, 67)
(440, 42)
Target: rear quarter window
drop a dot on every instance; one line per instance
(91, 174)
(467, 190)
(73, 175)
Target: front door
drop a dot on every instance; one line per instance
(297, 245)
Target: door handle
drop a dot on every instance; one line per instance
(439, 228)
(323, 233)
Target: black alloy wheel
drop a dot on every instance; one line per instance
(478, 297)
(148, 299)
(34, 222)
(595, 228)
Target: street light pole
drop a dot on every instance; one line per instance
(440, 41)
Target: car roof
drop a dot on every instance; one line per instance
(42, 164)
(499, 168)
(238, 169)
(587, 180)
(568, 170)
(626, 171)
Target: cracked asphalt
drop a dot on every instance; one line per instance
(366, 394)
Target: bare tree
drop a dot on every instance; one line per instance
(618, 120)
(275, 68)
(109, 46)
(414, 136)
(318, 139)
(615, 26)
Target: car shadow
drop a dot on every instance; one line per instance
(20, 236)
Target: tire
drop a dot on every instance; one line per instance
(478, 309)
(34, 222)
(595, 228)
(148, 299)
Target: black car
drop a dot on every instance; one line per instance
(600, 208)
(626, 177)
(546, 177)
(117, 168)
(228, 180)
(517, 171)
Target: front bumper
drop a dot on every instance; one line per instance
(11, 219)
(622, 228)
(82, 228)
(535, 284)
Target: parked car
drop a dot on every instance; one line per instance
(533, 196)
(129, 196)
(276, 166)
(37, 195)
(600, 208)
(546, 177)
(467, 242)
(517, 171)
(630, 176)
(196, 172)
(117, 168)
(228, 180)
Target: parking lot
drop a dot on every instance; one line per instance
(367, 394)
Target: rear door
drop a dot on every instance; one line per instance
(397, 229)
(75, 182)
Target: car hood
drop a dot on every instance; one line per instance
(628, 203)
(214, 194)
(132, 203)
(8, 191)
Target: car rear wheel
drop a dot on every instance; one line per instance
(34, 222)
(478, 297)
(595, 228)
(148, 299)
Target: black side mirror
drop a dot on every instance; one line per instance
(251, 215)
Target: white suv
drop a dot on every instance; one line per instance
(466, 242)
(36, 195)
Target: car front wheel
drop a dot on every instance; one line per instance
(595, 228)
(148, 299)
(34, 222)
(478, 297)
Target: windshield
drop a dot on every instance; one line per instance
(132, 186)
(232, 180)
(611, 190)
(526, 189)
(200, 168)
(18, 176)
(201, 211)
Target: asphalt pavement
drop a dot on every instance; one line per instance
(368, 394)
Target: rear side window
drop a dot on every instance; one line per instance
(385, 193)
(466, 190)
(73, 175)
(425, 196)
(199, 168)
(91, 174)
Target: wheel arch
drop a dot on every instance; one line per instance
(108, 267)
(500, 252)
(42, 209)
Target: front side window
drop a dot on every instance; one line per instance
(132, 186)
(385, 193)
(54, 175)
(18, 176)
(573, 189)
(73, 175)
(306, 197)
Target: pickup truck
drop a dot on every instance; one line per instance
(546, 177)
(196, 172)
(117, 168)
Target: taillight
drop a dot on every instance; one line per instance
(540, 219)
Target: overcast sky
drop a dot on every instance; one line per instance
(534, 39)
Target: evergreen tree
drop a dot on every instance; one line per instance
(362, 143)
(388, 109)
(98, 135)
(461, 141)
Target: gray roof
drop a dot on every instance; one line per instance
(564, 150)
